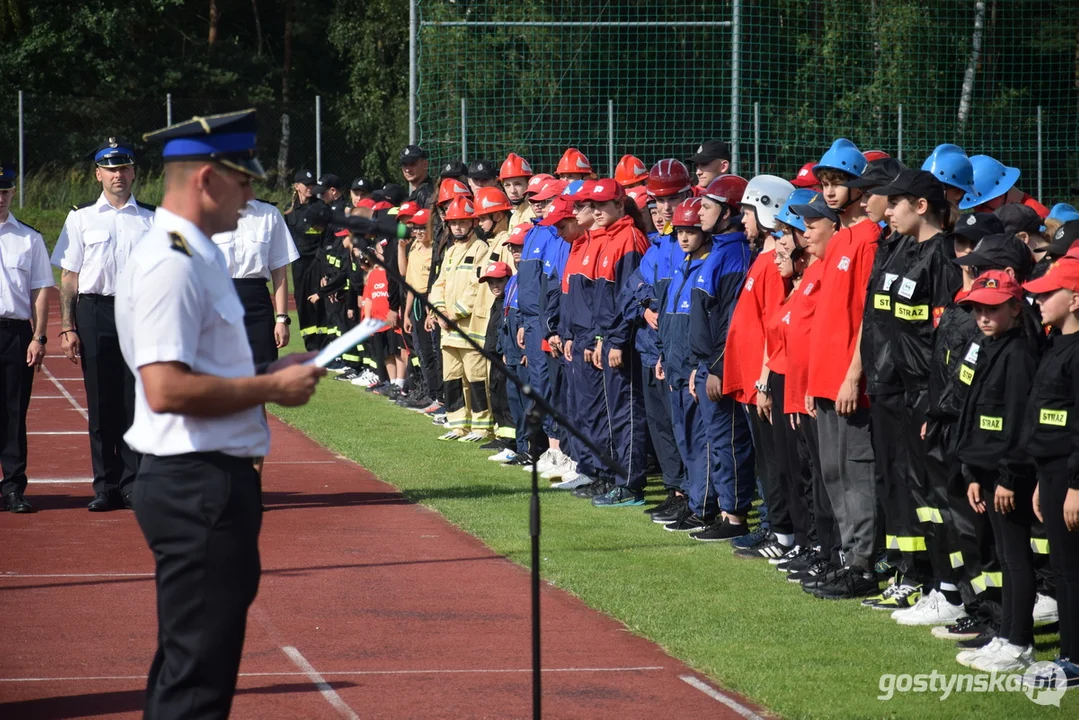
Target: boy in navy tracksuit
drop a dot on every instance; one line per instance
(730, 444)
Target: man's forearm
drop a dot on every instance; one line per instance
(280, 290)
(40, 300)
(69, 295)
(174, 388)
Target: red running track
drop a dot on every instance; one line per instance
(369, 606)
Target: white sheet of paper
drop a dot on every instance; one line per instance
(346, 342)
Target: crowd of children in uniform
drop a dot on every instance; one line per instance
(887, 357)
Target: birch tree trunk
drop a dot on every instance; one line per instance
(967, 96)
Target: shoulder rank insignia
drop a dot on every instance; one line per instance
(178, 243)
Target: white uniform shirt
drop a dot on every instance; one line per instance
(97, 241)
(24, 266)
(260, 243)
(176, 307)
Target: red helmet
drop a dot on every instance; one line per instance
(727, 189)
(573, 162)
(514, 166)
(460, 208)
(688, 214)
(805, 177)
(630, 171)
(640, 196)
(871, 155)
(450, 188)
(491, 200)
(668, 177)
(536, 182)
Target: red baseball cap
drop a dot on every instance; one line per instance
(517, 234)
(548, 190)
(382, 205)
(604, 190)
(1063, 274)
(495, 271)
(561, 208)
(420, 217)
(536, 182)
(805, 177)
(993, 287)
(366, 203)
(407, 210)
(640, 196)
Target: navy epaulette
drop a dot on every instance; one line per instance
(268, 202)
(178, 243)
(32, 228)
(84, 205)
(146, 206)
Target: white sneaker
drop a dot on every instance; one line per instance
(1007, 658)
(561, 470)
(931, 609)
(572, 480)
(546, 462)
(1045, 610)
(966, 657)
(505, 456)
(451, 435)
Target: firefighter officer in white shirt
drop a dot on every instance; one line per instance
(199, 417)
(93, 248)
(24, 309)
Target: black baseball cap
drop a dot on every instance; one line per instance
(454, 169)
(394, 193)
(1000, 251)
(710, 150)
(877, 173)
(1062, 240)
(1019, 218)
(817, 207)
(412, 153)
(482, 170)
(918, 183)
(362, 184)
(975, 226)
(304, 177)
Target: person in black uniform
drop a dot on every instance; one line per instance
(306, 238)
(199, 420)
(414, 169)
(24, 312)
(330, 191)
(92, 250)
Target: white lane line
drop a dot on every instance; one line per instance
(300, 462)
(60, 481)
(48, 397)
(353, 673)
(6, 575)
(55, 432)
(78, 379)
(328, 692)
(65, 393)
(717, 695)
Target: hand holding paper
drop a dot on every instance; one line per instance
(349, 340)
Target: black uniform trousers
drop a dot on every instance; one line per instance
(788, 507)
(259, 318)
(200, 514)
(16, 382)
(1053, 476)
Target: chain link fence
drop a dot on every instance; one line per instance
(780, 79)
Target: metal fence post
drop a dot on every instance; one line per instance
(168, 108)
(318, 136)
(756, 138)
(899, 135)
(22, 154)
(464, 130)
(610, 136)
(412, 72)
(1040, 151)
(736, 60)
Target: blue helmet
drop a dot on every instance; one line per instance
(843, 155)
(950, 165)
(991, 180)
(573, 188)
(1063, 212)
(802, 196)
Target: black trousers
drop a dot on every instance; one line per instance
(1012, 534)
(200, 514)
(16, 382)
(311, 316)
(1053, 478)
(657, 410)
(259, 318)
(788, 510)
(427, 349)
(824, 526)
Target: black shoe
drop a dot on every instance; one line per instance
(673, 513)
(378, 386)
(496, 444)
(419, 402)
(770, 549)
(347, 376)
(522, 459)
(129, 502)
(720, 531)
(16, 503)
(594, 489)
(801, 561)
(103, 502)
(663, 506)
(852, 583)
(819, 567)
(979, 642)
(821, 579)
(689, 522)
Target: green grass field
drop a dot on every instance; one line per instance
(737, 621)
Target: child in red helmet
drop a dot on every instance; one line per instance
(514, 175)
(574, 165)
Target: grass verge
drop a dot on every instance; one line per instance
(737, 621)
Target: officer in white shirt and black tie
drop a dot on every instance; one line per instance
(199, 420)
(24, 310)
(97, 239)
(258, 251)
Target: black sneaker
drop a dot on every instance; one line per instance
(826, 578)
(663, 506)
(378, 386)
(495, 444)
(721, 531)
(791, 554)
(980, 641)
(966, 628)
(771, 549)
(420, 402)
(688, 522)
(594, 489)
(815, 571)
(521, 460)
(347, 376)
(673, 513)
(850, 584)
(806, 556)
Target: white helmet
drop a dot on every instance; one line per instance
(767, 193)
